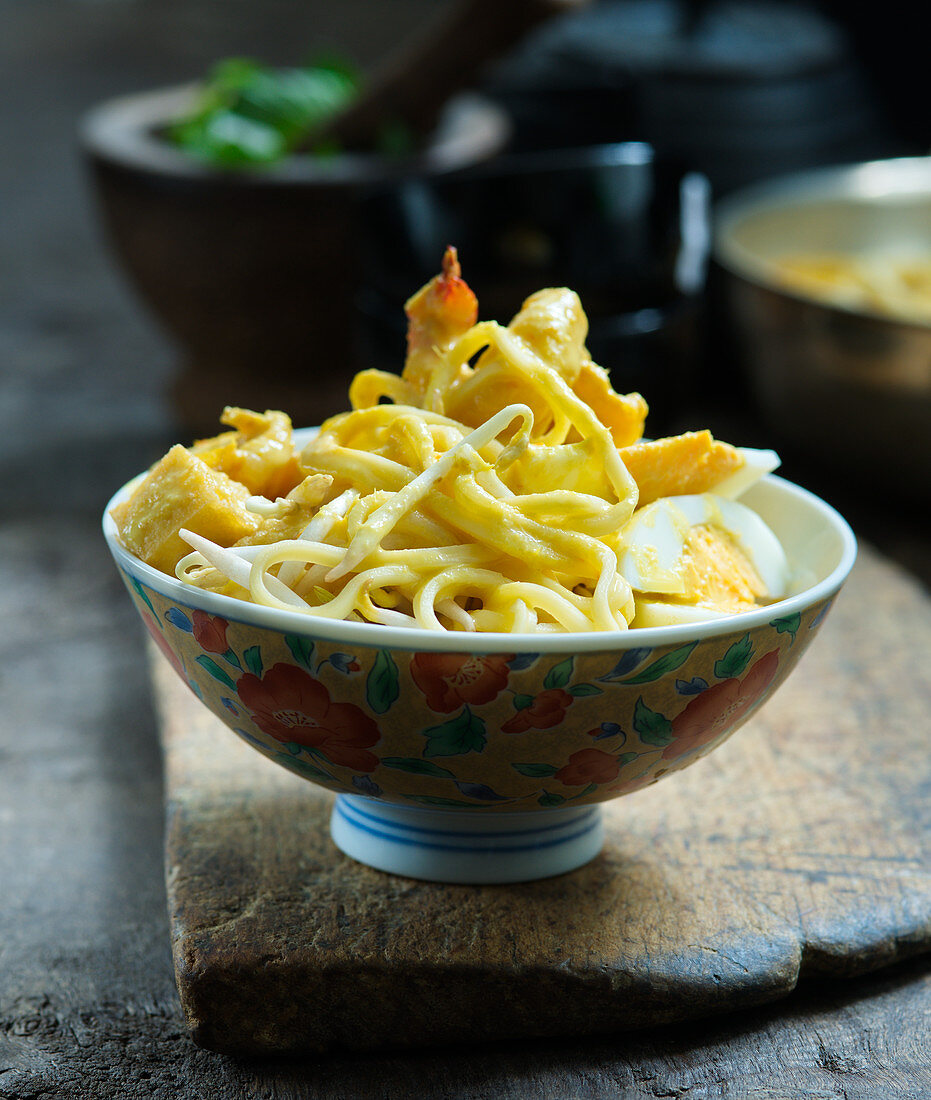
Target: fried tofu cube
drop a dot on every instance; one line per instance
(181, 490)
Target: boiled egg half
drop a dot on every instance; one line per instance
(689, 558)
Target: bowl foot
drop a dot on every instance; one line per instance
(466, 847)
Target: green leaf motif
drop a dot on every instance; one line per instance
(143, 595)
(654, 728)
(735, 660)
(231, 659)
(436, 800)
(535, 771)
(550, 798)
(559, 675)
(313, 750)
(304, 768)
(416, 766)
(521, 702)
(464, 733)
(627, 758)
(382, 684)
(480, 791)
(302, 649)
(253, 658)
(578, 690)
(788, 624)
(215, 671)
(659, 668)
(585, 791)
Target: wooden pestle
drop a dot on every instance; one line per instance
(413, 86)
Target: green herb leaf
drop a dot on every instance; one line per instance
(250, 114)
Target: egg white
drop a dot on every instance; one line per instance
(655, 564)
(757, 463)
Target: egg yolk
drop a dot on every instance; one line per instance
(717, 572)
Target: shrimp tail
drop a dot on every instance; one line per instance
(437, 315)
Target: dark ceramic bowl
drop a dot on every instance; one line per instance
(628, 230)
(253, 273)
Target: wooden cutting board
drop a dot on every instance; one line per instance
(799, 848)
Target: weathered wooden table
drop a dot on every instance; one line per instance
(88, 1003)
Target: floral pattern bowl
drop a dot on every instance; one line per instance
(484, 758)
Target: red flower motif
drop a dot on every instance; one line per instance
(589, 766)
(210, 631)
(547, 709)
(162, 642)
(633, 784)
(448, 680)
(720, 707)
(288, 704)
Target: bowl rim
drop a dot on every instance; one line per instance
(121, 131)
(863, 182)
(410, 639)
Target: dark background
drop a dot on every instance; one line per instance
(87, 1000)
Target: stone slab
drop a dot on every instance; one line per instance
(799, 848)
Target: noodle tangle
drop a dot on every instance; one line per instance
(476, 491)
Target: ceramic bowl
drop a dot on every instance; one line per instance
(485, 758)
(843, 385)
(258, 266)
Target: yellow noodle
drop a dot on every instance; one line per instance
(510, 524)
(384, 518)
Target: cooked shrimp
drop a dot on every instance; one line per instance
(438, 314)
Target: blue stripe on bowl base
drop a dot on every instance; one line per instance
(429, 838)
(483, 847)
